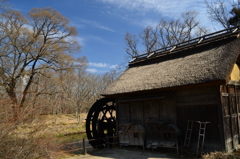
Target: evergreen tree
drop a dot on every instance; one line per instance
(235, 19)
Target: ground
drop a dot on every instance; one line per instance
(131, 154)
(121, 154)
(66, 129)
(65, 122)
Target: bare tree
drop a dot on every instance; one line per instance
(219, 11)
(150, 38)
(67, 91)
(41, 40)
(131, 42)
(4, 5)
(166, 33)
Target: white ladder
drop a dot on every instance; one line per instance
(188, 133)
(201, 137)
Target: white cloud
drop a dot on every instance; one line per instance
(102, 65)
(98, 64)
(113, 66)
(92, 70)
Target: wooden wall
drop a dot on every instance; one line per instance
(199, 104)
(140, 112)
(231, 116)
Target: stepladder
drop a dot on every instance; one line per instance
(188, 133)
(201, 137)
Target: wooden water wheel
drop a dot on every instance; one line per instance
(101, 122)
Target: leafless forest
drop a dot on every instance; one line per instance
(39, 74)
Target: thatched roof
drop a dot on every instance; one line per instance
(203, 64)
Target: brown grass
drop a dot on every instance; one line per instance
(37, 137)
(222, 155)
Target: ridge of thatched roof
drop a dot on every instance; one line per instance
(208, 63)
(186, 45)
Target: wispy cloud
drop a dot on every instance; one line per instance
(95, 24)
(165, 7)
(98, 64)
(102, 65)
(76, 24)
(147, 22)
(92, 70)
(81, 40)
(85, 40)
(97, 39)
(113, 66)
(153, 10)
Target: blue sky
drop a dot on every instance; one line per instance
(102, 24)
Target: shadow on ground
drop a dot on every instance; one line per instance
(121, 154)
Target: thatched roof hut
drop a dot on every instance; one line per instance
(196, 80)
(212, 62)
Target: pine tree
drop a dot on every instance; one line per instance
(235, 19)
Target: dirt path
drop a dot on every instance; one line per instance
(121, 154)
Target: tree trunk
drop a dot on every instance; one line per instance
(14, 105)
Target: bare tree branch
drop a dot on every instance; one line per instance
(219, 11)
(166, 33)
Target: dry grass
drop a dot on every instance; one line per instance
(65, 124)
(38, 137)
(221, 155)
(52, 125)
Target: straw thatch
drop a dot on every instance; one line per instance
(201, 66)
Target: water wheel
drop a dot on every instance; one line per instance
(101, 122)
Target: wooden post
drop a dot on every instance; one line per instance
(108, 144)
(84, 147)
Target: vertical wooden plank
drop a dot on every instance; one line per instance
(143, 113)
(238, 113)
(136, 112)
(84, 147)
(167, 110)
(230, 91)
(237, 94)
(236, 119)
(233, 115)
(117, 117)
(123, 113)
(151, 111)
(130, 113)
(227, 121)
(220, 118)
